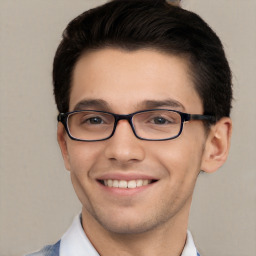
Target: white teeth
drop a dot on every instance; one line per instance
(122, 184)
(115, 184)
(139, 183)
(145, 182)
(126, 184)
(132, 184)
(109, 183)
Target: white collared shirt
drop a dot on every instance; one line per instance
(75, 242)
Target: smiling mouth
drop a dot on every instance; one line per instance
(126, 184)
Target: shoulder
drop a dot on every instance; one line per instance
(49, 250)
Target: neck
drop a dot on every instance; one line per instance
(168, 238)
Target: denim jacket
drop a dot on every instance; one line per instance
(49, 250)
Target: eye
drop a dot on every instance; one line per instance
(160, 120)
(94, 120)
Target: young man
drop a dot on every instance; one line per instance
(144, 94)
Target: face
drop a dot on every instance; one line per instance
(124, 82)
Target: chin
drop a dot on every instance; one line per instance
(126, 228)
(128, 224)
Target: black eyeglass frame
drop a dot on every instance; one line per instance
(185, 117)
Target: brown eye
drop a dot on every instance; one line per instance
(160, 120)
(94, 120)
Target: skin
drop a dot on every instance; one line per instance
(138, 221)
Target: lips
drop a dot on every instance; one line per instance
(126, 181)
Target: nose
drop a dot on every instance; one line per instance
(123, 147)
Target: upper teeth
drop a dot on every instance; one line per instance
(126, 184)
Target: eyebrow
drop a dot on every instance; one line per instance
(171, 103)
(91, 103)
(99, 104)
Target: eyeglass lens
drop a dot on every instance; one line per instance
(154, 125)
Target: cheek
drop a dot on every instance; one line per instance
(180, 157)
(83, 156)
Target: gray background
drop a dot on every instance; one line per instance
(36, 198)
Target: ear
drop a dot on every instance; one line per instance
(217, 145)
(62, 140)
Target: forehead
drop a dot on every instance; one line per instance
(126, 79)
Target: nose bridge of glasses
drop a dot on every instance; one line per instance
(128, 118)
(124, 117)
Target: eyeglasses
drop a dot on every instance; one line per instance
(153, 124)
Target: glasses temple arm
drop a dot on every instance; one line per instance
(203, 117)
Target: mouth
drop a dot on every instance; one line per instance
(126, 184)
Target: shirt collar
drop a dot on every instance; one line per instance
(190, 248)
(75, 242)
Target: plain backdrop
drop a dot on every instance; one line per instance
(37, 202)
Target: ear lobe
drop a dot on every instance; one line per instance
(62, 137)
(217, 145)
